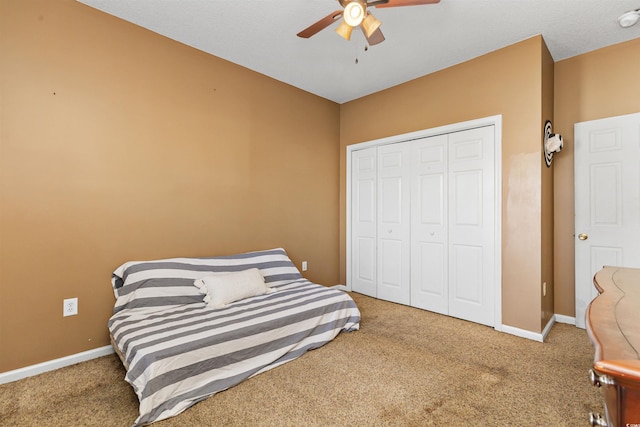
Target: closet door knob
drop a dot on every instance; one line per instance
(583, 236)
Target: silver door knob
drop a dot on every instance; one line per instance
(583, 236)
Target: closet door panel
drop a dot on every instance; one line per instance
(468, 199)
(466, 283)
(429, 275)
(430, 290)
(471, 225)
(364, 221)
(366, 263)
(393, 223)
(390, 266)
(391, 195)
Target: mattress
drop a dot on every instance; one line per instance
(178, 351)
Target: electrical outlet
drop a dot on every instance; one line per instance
(304, 265)
(70, 307)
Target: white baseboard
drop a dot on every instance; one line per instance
(29, 371)
(547, 328)
(523, 333)
(341, 288)
(561, 318)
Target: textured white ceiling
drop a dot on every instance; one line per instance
(261, 35)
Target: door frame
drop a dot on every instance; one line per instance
(495, 121)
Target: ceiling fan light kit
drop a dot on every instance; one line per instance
(355, 14)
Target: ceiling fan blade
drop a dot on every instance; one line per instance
(397, 3)
(375, 38)
(320, 25)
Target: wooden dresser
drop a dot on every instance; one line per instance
(613, 326)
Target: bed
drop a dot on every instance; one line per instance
(178, 349)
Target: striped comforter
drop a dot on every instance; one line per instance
(178, 352)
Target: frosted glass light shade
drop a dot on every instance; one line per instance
(344, 30)
(354, 13)
(370, 24)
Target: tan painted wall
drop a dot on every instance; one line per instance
(596, 85)
(546, 312)
(507, 82)
(119, 144)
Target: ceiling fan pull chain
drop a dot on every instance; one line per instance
(366, 49)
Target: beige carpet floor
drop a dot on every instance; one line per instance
(404, 367)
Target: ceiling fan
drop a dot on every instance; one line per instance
(355, 14)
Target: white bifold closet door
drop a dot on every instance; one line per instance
(452, 224)
(472, 225)
(429, 224)
(364, 177)
(423, 223)
(394, 218)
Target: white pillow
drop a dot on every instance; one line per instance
(223, 289)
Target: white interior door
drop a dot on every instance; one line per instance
(471, 225)
(607, 201)
(363, 221)
(393, 262)
(429, 233)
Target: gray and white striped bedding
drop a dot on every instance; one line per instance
(178, 352)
